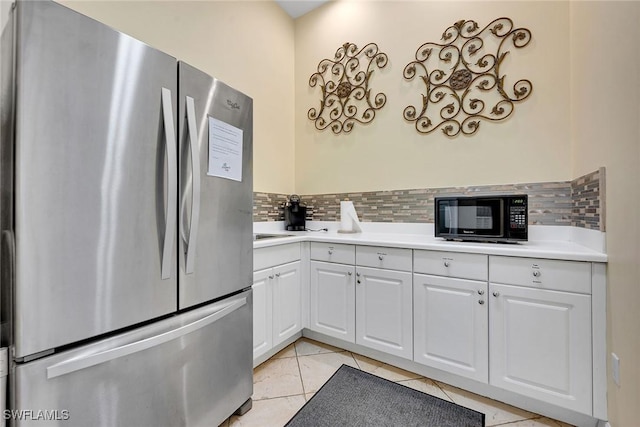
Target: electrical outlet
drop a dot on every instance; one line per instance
(615, 368)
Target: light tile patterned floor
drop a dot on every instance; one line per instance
(283, 384)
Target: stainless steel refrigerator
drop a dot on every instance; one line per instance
(126, 218)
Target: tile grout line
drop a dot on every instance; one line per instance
(304, 394)
(355, 360)
(516, 421)
(442, 390)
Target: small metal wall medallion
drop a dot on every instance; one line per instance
(463, 79)
(345, 85)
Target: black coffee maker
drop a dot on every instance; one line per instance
(295, 214)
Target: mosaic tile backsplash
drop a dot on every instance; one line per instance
(587, 199)
(578, 203)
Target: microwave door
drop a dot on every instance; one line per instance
(451, 219)
(480, 217)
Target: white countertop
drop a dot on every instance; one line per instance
(545, 247)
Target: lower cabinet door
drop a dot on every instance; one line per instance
(540, 345)
(262, 313)
(287, 303)
(451, 325)
(384, 311)
(332, 305)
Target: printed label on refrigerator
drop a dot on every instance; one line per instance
(225, 150)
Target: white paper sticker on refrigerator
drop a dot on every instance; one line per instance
(225, 150)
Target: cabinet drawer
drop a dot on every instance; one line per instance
(333, 252)
(381, 257)
(571, 276)
(275, 255)
(451, 264)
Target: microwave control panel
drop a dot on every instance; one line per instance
(518, 214)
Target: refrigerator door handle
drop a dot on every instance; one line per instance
(195, 186)
(76, 364)
(172, 183)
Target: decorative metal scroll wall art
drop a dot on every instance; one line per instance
(463, 80)
(345, 84)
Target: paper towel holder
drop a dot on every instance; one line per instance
(349, 222)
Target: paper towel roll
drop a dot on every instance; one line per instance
(349, 222)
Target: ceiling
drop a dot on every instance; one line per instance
(297, 8)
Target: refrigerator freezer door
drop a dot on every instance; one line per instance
(215, 219)
(92, 179)
(189, 370)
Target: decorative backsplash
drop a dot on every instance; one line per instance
(578, 203)
(588, 201)
(270, 206)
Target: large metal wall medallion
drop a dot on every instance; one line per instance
(345, 88)
(463, 78)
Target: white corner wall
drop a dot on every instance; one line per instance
(532, 145)
(247, 44)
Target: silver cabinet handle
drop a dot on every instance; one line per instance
(536, 273)
(358, 274)
(271, 276)
(480, 292)
(195, 185)
(172, 184)
(277, 274)
(76, 364)
(380, 257)
(447, 263)
(481, 302)
(330, 251)
(496, 294)
(350, 273)
(359, 281)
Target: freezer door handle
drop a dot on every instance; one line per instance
(191, 241)
(82, 362)
(172, 191)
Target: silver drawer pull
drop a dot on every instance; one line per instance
(380, 257)
(358, 274)
(350, 273)
(481, 302)
(75, 364)
(359, 281)
(277, 274)
(271, 276)
(536, 273)
(330, 251)
(480, 292)
(496, 294)
(447, 263)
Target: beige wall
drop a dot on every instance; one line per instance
(584, 112)
(605, 117)
(532, 145)
(247, 44)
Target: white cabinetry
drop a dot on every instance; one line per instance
(374, 310)
(277, 304)
(533, 327)
(262, 312)
(383, 300)
(287, 305)
(332, 291)
(332, 300)
(451, 314)
(540, 330)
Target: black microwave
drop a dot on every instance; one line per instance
(482, 218)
